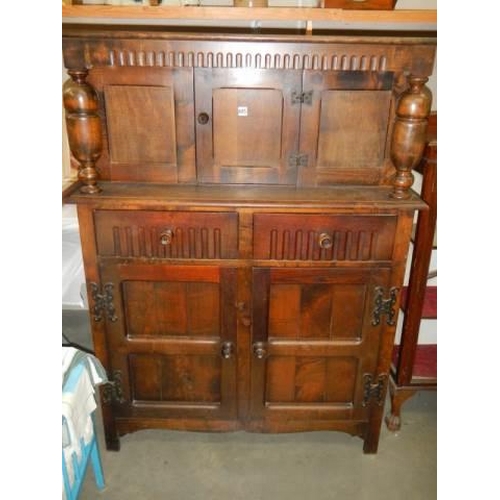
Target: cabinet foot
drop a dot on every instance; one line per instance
(112, 444)
(369, 447)
(111, 436)
(393, 422)
(398, 397)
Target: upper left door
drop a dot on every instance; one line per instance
(148, 124)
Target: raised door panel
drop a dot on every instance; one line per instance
(314, 344)
(247, 125)
(346, 126)
(173, 340)
(149, 124)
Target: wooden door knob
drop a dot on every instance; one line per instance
(203, 118)
(259, 350)
(227, 350)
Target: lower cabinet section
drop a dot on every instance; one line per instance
(186, 353)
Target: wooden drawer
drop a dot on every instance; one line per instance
(323, 237)
(171, 235)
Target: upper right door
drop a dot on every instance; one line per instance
(345, 126)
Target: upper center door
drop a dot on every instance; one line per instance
(247, 125)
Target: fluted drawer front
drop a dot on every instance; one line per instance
(323, 237)
(171, 235)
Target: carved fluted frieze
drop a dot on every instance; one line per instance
(277, 52)
(342, 61)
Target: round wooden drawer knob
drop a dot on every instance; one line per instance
(166, 237)
(325, 241)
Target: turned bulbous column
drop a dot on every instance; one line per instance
(84, 128)
(409, 134)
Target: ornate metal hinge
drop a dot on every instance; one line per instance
(384, 306)
(373, 390)
(302, 97)
(103, 301)
(298, 160)
(112, 392)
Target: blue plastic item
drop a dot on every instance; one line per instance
(89, 451)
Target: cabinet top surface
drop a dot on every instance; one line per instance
(161, 196)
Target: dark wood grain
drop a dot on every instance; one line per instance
(245, 210)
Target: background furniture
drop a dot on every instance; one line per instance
(245, 214)
(415, 365)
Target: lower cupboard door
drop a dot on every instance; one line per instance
(172, 341)
(314, 346)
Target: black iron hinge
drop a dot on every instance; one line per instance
(385, 306)
(373, 390)
(112, 392)
(298, 160)
(103, 301)
(302, 97)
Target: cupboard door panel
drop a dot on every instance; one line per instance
(173, 309)
(307, 379)
(316, 311)
(175, 379)
(144, 133)
(247, 125)
(149, 124)
(173, 339)
(316, 332)
(345, 129)
(353, 127)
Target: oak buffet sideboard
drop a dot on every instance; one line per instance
(245, 211)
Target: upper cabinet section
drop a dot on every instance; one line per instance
(151, 105)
